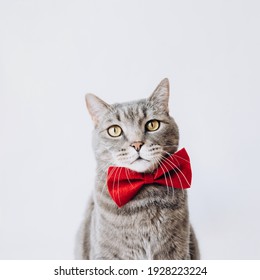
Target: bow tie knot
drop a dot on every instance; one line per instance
(148, 178)
(175, 171)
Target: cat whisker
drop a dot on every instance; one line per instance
(175, 155)
(127, 176)
(178, 176)
(164, 167)
(176, 167)
(158, 162)
(108, 177)
(118, 184)
(114, 169)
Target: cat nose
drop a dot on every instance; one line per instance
(137, 145)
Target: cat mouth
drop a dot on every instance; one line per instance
(138, 160)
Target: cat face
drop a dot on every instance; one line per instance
(136, 135)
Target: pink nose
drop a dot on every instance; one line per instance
(137, 145)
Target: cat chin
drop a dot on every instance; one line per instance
(142, 166)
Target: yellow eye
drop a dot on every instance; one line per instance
(114, 131)
(152, 125)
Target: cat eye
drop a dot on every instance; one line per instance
(152, 125)
(114, 131)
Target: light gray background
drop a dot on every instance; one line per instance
(52, 52)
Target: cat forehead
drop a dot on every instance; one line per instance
(131, 110)
(135, 110)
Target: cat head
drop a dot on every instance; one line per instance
(137, 134)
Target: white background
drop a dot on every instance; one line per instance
(52, 52)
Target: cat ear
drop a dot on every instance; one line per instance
(160, 96)
(96, 107)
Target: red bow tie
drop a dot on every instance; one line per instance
(174, 171)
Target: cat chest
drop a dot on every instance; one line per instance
(137, 236)
(143, 238)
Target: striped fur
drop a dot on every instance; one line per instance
(155, 224)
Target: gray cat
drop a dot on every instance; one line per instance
(155, 223)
